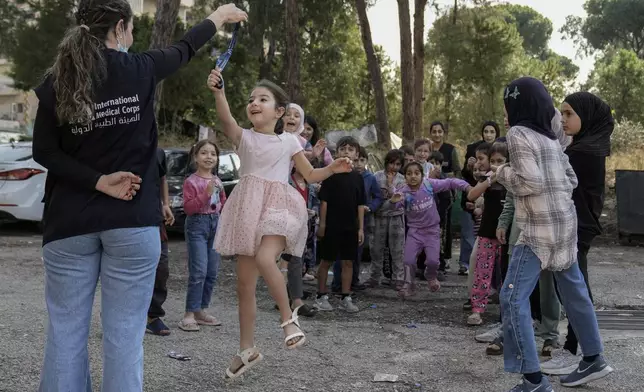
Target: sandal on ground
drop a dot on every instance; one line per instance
(157, 327)
(434, 285)
(407, 290)
(549, 346)
(189, 326)
(495, 348)
(208, 320)
(294, 320)
(245, 357)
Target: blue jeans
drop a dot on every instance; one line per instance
(520, 348)
(336, 285)
(203, 260)
(125, 260)
(467, 238)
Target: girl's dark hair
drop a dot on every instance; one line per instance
(500, 148)
(484, 148)
(316, 132)
(406, 150)
(281, 100)
(393, 156)
(80, 68)
(436, 156)
(422, 142)
(195, 151)
(432, 125)
(417, 164)
(493, 124)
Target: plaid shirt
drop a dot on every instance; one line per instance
(542, 180)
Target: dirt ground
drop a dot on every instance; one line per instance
(424, 341)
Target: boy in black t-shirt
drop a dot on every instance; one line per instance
(341, 231)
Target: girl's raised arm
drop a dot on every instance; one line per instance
(228, 124)
(311, 175)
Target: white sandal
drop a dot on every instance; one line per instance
(294, 320)
(246, 363)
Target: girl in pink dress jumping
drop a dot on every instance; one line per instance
(264, 215)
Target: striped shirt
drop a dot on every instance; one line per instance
(542, 180)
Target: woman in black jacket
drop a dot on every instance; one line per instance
(96, 134)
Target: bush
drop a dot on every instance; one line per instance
(627, 136)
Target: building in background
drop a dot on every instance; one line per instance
(150, 7)
(17, 107)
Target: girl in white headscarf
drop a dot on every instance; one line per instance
(294, 123)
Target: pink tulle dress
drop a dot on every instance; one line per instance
(263, 202)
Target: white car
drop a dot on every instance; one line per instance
(22, 183)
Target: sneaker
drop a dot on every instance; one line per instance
(463, 271)
(474, 319)
(347, 305)
(322, 303)
(587, 372)
(467, 306)
(490, 335)
(527, 386)
(563, 362)
(358, 287)
(308, 277)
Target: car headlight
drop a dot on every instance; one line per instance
(176, 201)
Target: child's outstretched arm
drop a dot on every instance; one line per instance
(478, 190)
(228, 124)
(311, 175)
(449, 184)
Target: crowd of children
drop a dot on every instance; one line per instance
(328, 210)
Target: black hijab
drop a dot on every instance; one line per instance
(597, 124)
(528, 104)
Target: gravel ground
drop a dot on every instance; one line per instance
(344, 352)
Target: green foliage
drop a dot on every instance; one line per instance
(36, 43)
(534, 28)
(12, 16)
(488, 47)
(610, 23)
(619, 79)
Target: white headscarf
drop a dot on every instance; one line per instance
(300, 126)
(557, 128)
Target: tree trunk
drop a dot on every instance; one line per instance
(406, 71)
(266, 59)
(419, 65)
(292, 51)
(375, 75)
(165, 20)
(449, 74)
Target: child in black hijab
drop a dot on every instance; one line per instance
(589, 121)
(542, 182)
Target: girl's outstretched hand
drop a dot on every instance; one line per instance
(319, 147)
(341, 165)
(213, 81)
